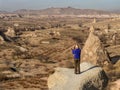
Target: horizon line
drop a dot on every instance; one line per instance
(59, 7)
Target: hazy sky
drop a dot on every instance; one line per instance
(11, 5)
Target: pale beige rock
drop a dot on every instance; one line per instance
(114, 39)
(45, 42)
(94, 21)
(22, 49)
(93, 51)
(106, 31)
(33, 41)
(10, 32)
(92, 78)
(7, 72)
(1, 40)
(92, 29)
(16, 24)
(14, 75)
(115, 85)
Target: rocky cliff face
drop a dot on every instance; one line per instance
(91, 78)
(93, 51)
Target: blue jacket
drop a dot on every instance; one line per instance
(76, 53)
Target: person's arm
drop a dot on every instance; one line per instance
(73, 51)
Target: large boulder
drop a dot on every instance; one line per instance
(10, 32)
(93, 51)
(91, 78)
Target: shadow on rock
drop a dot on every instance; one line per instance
(89, 69)
(115, 59)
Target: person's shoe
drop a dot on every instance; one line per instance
(75, 72)
(78, 72)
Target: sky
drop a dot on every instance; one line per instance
(12, 5)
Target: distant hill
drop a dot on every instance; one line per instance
(3, 12)
(63, 11)
(116, 11)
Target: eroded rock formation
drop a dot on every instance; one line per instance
(93, 51)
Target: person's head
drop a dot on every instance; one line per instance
(76, 46)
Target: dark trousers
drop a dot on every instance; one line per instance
(77, 66)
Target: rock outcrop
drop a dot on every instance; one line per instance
(10, 32)
(4, 37)
(94, 21)
(91, 78)
(1, 40)
(115, 85)
(93, 51)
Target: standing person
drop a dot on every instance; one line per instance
(76, 51)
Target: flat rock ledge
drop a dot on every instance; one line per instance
(91, 78)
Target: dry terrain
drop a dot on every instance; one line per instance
(33, 47)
